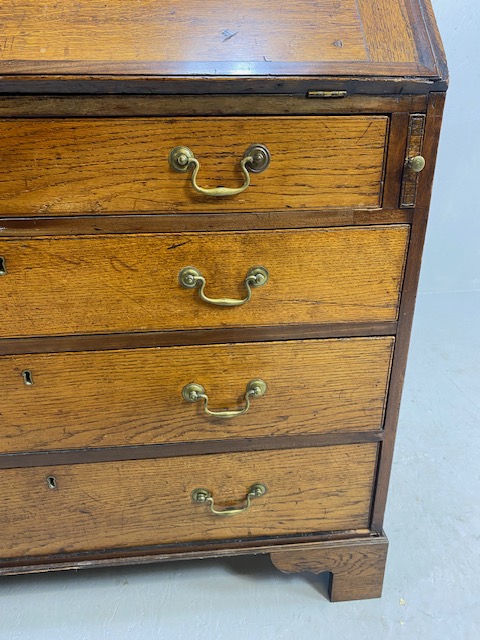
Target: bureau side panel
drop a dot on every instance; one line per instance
(412, 272)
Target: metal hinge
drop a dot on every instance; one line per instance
(326, 94)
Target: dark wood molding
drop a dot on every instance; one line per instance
(182, 85)
(407, 305)
(396, 154)
(92, 342)
(86, 456)
(420, 27)
(174, 223)
(203, 105)
(192, 551)
(435, 40)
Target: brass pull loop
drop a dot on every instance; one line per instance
(416, 164)
(190, 278)
(255, 160)
(204, 496)
(194, 392)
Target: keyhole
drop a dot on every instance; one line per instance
(3, 266)
(27, 377)
(52, 482)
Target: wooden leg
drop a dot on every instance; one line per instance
(356, 566)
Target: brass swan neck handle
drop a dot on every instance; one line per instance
(194, 392)
(255, 160)
(191, 278)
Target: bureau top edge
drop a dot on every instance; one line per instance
(197, 47)
(37, 85)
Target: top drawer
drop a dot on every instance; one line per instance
(120, 165)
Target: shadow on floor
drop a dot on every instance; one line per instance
(255, 567)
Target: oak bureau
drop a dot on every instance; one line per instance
(211, 226)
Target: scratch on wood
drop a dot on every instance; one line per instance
(365, 132)
(91, 498)
(180, 244)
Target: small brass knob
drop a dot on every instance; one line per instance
(416, 164)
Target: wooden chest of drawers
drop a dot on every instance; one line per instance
(211, 226)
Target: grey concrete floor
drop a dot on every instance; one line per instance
(432, 584)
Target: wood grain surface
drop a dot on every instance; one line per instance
(74, 166)
(153, 31)
(148, 502)
(357, 567)
(391, 34)
(133, 397)
(104, 284)
(296, 37)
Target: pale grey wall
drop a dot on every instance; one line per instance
(452, 251)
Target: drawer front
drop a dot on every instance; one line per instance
(123, 283)
(134, 397)
(102, 166)
(148, 502)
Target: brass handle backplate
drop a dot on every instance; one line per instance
(191, 278)
(255, 160)
(194, 392)
(416, 164)
(204, 496)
